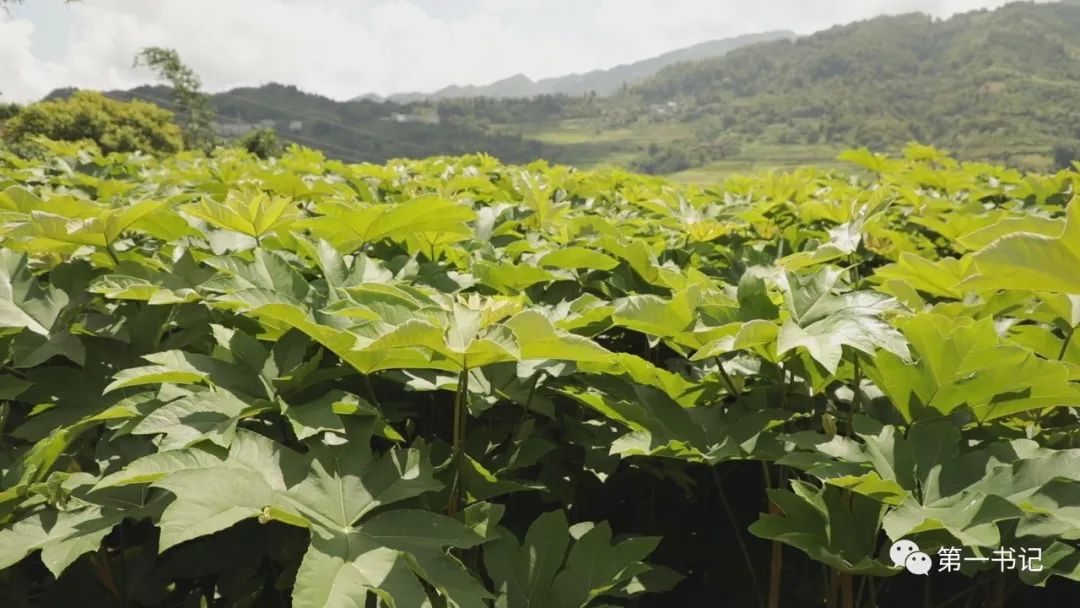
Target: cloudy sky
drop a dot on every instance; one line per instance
(343, 48)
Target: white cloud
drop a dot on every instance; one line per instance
(662, 25)
(20, 70)
(340, 49)
(343, 48)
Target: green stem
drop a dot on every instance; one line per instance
(1065, 346)
(727, 378)
(371, 391)
(112, 254)
(862, 589)
(738, 536)
(776, 560)
(165, 326)
(458, 439)
(856, 400)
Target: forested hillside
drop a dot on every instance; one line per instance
(988, 85)
(995, 84)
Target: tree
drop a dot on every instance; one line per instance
(8, 110)
(263, 143)
(115, 126)
(193, 103)
(1065, 155)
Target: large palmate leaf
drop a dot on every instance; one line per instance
(681, 320)
(558, 565)
(1033, 261)
(250, 213)
(823, 323)
(931, 483)
(962, 363)
(334, 492)
(660, 426)
(24, 301)
(349, 227)
(267, 271)
(821, 523)
(63, 537)
(935, 277)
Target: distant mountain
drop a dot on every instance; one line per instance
(602, 82)
(998, 85)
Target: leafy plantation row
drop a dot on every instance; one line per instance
(233, 382)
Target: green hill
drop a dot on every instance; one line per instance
(990, 85)
(998, 84)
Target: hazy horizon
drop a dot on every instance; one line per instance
(352, 47)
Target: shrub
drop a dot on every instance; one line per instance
(263, 143)
(115, 126)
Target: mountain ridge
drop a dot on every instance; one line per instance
(603, 82)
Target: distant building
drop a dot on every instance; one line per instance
(428, 118)
(233, 129)
(667, 108)
(296, 125)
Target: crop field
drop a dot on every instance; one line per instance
(452, 383)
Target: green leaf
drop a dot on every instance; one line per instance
(825, 526)
(537, 338)
(24, 301)
(349, 228)
(174, 367)
(250, 213)
(575, 258)
(1033, 261)
(561, 566)
(964, 363)
(823, 323)
(204, 415)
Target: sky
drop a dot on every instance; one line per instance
(345, 48)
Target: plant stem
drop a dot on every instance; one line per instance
(371, 391)
(856, 399)
(458, 439)
(776, 561)
(164, 329)
(1065, 346)
(738, 535)
(727, 378)
(776, 566)
(847, 587)
(112, 254)
(833, 591)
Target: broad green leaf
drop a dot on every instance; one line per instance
(250, 213)
(25, 302)
(964, 363)
(821, 523)
(574, 258)
(1033, 261)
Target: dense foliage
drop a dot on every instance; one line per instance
(235, 382)
(263, 143)
(8, 110)
(114, 126)
(986, 82)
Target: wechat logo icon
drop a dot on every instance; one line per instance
(905, 554)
